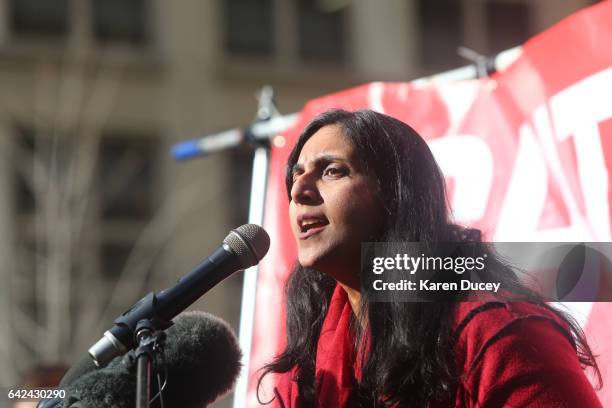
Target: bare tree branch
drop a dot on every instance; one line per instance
(133, 276)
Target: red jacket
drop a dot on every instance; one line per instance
(510, 355)
(518, 355)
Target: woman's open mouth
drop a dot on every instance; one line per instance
(311, 225)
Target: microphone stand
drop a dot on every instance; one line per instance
(150, 342)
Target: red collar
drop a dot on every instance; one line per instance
(336, 371)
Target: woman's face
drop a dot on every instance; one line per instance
(333, 205)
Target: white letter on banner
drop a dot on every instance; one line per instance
(375, 95)
(469, 161)
(576, 111)
(526, 194)
(578, 228)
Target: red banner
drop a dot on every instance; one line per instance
(527, 155)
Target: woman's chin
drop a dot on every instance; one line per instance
(333, 267)
(310, 263)
(314, 262)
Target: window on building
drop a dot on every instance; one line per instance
(38, 156)
(441, 33)
(121, 20)
(508, 25)
(25, 200)
(114, 259)
(321, 32)
(249, 27)
(126, 177)
(36, 17)
(125, 21)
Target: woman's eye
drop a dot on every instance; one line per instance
(334, 171)
(296, 174)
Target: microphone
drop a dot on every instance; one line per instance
(244, 247)
(81, 367)
(202, 362)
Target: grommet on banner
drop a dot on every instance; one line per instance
(279, 141)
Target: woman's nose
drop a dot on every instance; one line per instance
(304, 190)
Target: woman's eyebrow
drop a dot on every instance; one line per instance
(328, 158)
(319, 161)
(296, 167)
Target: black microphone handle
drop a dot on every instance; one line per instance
(218, 266)
(243, 247)
(166, 304)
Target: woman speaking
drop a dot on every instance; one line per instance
(362, 176)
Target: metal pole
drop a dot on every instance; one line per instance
(249, 285)
(144, 361)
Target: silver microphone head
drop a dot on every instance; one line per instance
(250, 242)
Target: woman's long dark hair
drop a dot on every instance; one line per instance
(410, 359)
